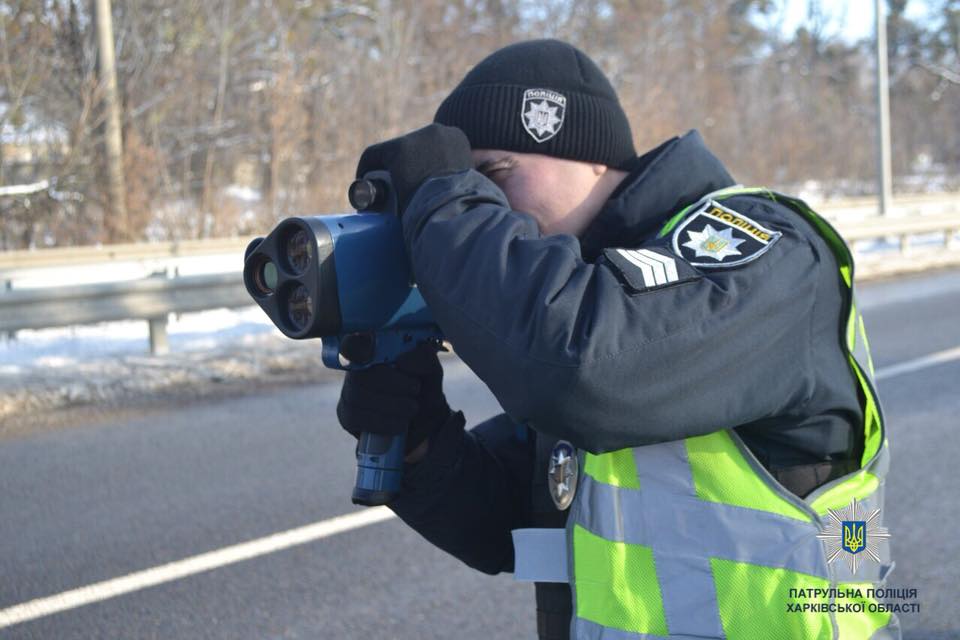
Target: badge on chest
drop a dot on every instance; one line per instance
(562, 474)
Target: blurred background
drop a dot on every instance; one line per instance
(171, 466)
(233, 114)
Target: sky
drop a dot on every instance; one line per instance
(852, 19)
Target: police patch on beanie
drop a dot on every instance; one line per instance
(542, 113)
(541, 96)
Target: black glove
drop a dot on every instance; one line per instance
(405, 396)
(411, 159)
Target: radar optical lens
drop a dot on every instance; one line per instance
(299, 251)
(300, 308)
(265, 277)
(269, 275)
(362, 194)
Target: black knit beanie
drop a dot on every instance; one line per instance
(541, 96)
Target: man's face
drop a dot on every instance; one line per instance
(555, 191)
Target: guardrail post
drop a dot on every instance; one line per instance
(8, 335)
(159, 343)
(904, 244)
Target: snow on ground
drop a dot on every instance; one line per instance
(117, 271)
(68, 346)
(109, 365)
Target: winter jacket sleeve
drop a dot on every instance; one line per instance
(595, 352)
(470, 490)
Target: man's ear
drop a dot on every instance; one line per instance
(599, 169)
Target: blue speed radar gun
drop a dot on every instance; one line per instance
(346, 279)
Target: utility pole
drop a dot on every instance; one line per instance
(116, 216)
(885, 176)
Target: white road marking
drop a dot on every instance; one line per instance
(193, 565)
(940, 357)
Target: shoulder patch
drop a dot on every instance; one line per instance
(649, 268)
(715, 236)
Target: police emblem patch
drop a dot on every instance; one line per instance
(717, 236)
(542, 113)
(562, 474)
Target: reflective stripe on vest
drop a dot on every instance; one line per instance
(695, 539)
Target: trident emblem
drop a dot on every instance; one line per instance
(853, 534)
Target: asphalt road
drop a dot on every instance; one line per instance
(87, 504)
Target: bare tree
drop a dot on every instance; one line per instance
(236, 113)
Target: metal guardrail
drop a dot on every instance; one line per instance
(138, 252)
(907, 258)
(907, 209)
(151, 299)
(903, 205)
(903, 228)
(154, 298)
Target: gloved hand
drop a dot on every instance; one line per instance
(412, 158)
(405, 396)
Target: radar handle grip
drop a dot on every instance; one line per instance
(379, 468)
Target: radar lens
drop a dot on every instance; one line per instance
(300, 308)
(299, 251)
(268, 274)
(265, 277)
(362, 194)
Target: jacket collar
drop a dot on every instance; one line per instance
(660, 183)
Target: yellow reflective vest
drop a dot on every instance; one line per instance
(695, 539)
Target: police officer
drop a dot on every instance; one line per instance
(682, 370)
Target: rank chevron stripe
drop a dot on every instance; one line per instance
(657, 269)
(669, 264)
